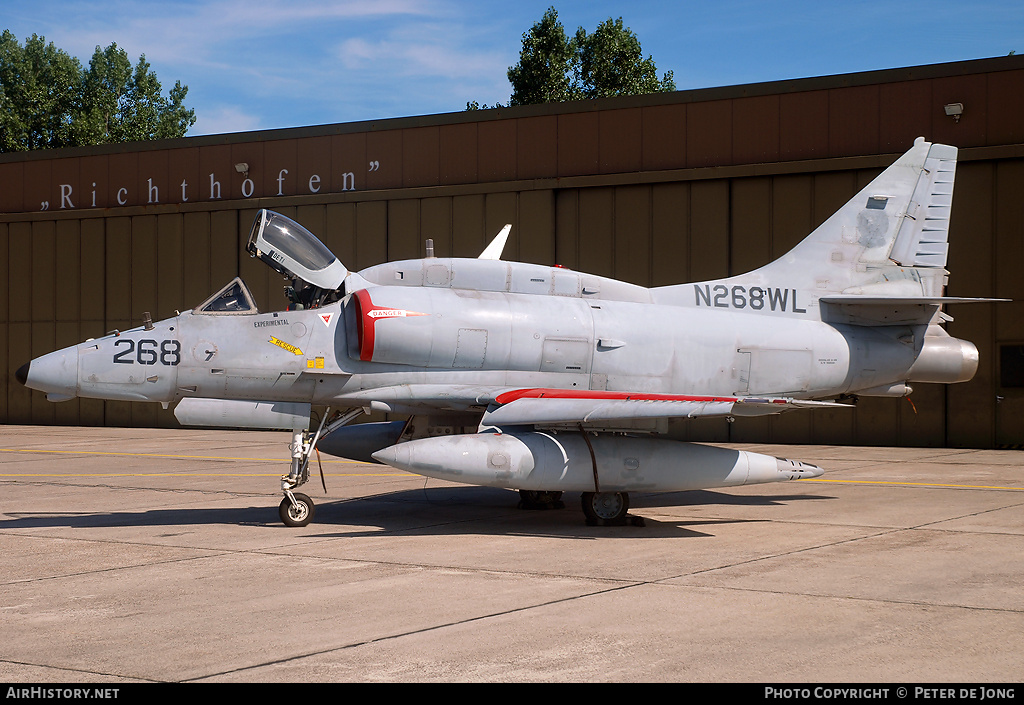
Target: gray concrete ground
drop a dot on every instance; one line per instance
(157, 555)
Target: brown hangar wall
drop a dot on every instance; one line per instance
(652, 189)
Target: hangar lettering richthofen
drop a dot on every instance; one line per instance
(655, 190)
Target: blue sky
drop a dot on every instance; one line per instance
(263, 64)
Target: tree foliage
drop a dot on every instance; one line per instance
(48, 100)
(546, 72)
(611, 62)
(554, 67)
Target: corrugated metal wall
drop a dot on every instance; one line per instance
(730, 184)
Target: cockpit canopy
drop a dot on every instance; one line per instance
(234, 299)
(294, 252)
(291, 250)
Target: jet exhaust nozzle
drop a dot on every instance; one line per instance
(946, 360)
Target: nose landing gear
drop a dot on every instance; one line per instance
(297, 509)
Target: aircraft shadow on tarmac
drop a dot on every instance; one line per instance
(439, 511)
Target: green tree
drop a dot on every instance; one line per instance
(122, 104)
(48, 100)
(546, 69)
(554, 68)
(611, 62)
(38, 87)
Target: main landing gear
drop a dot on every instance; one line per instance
(536, 499)
(608, 509)
(600, 508)
(604, 508)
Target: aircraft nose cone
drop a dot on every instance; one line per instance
(55, 373)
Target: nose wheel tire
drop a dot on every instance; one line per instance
(298, 514)
(605, 508)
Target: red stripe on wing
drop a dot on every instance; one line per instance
(538, 393)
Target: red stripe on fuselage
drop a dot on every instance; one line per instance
(365, 305)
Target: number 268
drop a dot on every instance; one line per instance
(148, 352)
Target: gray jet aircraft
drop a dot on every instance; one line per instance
(543, 379)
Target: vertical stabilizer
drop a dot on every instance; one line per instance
(923, 236)
(888, 240)
(903, 212)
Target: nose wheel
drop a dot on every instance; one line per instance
(296, 509)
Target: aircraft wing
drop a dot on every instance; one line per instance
(560, 406)
(517, 406)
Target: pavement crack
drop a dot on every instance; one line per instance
(72, 669)
(413, 632)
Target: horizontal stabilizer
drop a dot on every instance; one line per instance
(888, 310)
(906, 300)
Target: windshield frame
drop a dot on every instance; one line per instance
(206, 307)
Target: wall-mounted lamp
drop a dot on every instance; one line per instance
(243, 167)
(954, 110)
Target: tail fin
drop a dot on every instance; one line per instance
(888, 240)
(922, 237)
(901, 218)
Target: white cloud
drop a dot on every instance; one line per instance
(194, 33)
(277, 58)
(219, 120)
(433, 54)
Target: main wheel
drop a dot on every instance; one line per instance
(536, 499)
(299, 514)
(605, 507)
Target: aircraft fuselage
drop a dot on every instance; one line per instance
(580, 338)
